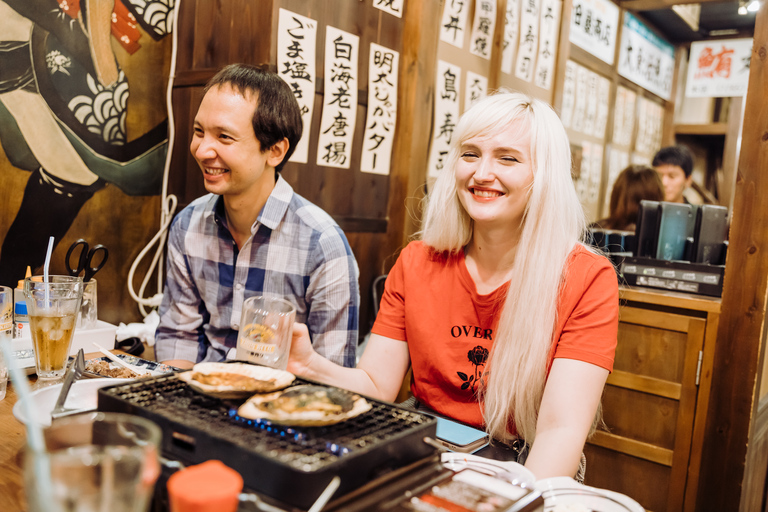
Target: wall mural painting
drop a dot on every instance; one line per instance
(63, 108)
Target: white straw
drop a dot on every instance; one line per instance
(45, 268)
(35, 438)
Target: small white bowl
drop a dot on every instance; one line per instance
(82, 395)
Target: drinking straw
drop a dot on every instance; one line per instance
(35, 438)
(45, 267)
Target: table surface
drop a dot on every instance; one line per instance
(12, 440)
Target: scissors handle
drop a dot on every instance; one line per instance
(74, 270)
(91, 269)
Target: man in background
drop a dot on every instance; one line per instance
(252, 235)
(674, 165)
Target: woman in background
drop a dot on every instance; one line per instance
(633, 184)
(508, 322)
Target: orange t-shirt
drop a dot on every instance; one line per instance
(431, 302)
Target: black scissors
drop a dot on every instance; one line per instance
(85, 259)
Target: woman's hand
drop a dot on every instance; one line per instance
(302, 353)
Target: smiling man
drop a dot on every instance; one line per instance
(252, 235)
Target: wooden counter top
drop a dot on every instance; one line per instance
(12, 440)
(670, 298)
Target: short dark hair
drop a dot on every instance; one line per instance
(277, 115)
(675, 155)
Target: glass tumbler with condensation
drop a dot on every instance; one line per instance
(53, 307)
(105, 462)
(266, 326)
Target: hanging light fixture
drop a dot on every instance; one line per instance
(748, 6)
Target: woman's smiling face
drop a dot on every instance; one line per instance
(494, 175)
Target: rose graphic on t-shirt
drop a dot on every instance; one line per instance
(477, 356)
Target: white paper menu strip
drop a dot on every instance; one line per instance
(393, 7)
(477, 89)
(511, 29)
(550, 30)
(529, 39)
(446, 114)
(481, 41)
(381, 118)
(337, 125)
(454, 22)
(296, 40)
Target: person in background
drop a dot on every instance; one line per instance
(508, 320)
(674, 165)
(632, 185)
(252, 235)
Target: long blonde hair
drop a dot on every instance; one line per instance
(553, 223)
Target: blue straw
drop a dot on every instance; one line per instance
(35, 438)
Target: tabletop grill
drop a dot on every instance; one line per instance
(293, 465)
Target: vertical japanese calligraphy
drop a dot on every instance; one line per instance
(296, 40)
(511, 28)
(382, 110)
(393, 7)
(549, 30)
(603, 96)
(529, 39)
(481, 42)
(718, 69)
(477, 89)
(594, 25)
(448, 88)
(569, 93)
(580, 105)
(454, 23)
(645, 58)
(337, 125)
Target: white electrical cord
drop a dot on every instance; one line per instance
(168, 201)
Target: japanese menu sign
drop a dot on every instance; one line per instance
(382, 110)
(481, 41)
(549, 31)
(594, 25)
(645, 58)
(454, 23)
(296, 39)
(529, 39)
(393, 7)
(511, 26)
(477, 89)
(448, 88)
(718, 69)
(337, 125)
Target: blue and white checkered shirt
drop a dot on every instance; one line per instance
(296, 252)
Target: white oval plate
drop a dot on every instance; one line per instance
(565, 491)
(82, 395)
(506, 470)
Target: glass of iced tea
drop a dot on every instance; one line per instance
(52, 308)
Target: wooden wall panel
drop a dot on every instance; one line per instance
(650, 419)
(644, 481)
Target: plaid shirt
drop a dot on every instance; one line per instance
(296, 252)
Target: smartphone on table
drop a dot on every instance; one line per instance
(458, 437)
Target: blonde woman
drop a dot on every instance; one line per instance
(507, 320)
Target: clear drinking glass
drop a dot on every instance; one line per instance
(106, 462)
(88, 310)
(266, 325)
(6, 332)
(53, 307)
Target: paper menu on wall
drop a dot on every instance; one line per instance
(481, 41)
(580, 104)
(549, 30)
(446, 115)
(510, 42)
(476, 89)
(592, 101)
(296, 40)
(529, 40)
(381, 116)
(453, 25)
(569, 93)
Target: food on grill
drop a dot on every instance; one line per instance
(305, 406)
(103, 368)
(236, 380)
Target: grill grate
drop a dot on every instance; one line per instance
(272, 457)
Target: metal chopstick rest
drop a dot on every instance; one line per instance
(75, 371)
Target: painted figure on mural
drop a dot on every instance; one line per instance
(63, 100)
